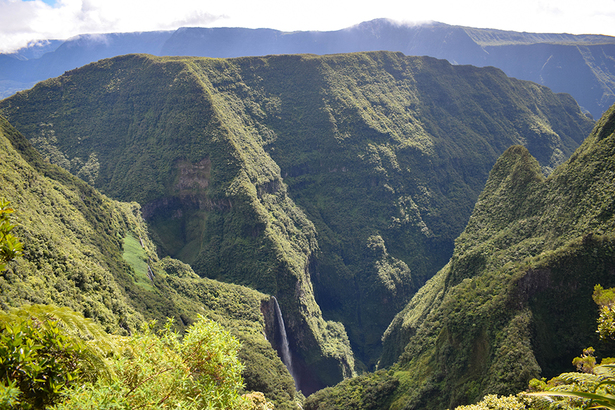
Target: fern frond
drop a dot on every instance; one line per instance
(597, 400)
(605, 370)
(580, 378)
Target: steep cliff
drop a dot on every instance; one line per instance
(335, 183)
(515, 300)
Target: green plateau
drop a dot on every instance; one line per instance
(515, 300)
(336, 183)
(94, 255)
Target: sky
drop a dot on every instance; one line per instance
(23, 21)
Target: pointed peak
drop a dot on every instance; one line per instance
(596, 148)
(514, 178)
(517, 165)
(606, 125)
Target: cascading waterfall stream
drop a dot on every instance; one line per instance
(284, 349)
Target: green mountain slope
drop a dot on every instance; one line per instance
(515, 300)
(335, 183)
(93, 254)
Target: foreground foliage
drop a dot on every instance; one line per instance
(38, 361)
(198, 371)
(54, 356)
(46, 350)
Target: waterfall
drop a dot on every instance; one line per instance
(284, 349)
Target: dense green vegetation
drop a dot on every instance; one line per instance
(369, 391)
(591, 386)
(39, 364)
(335, 183)
(514, 303)
(55, 358)
(227, 209)
(94, 255)
(10, 247)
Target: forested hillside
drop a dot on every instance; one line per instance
(515, 300)
(92, 254)
(335, 183)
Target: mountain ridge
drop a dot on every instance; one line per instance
(515, 300)
(549, 59)
(336, 183)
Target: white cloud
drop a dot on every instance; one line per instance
(22, 21)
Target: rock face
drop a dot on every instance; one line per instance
(336, 183)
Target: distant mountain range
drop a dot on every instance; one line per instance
(581, 65)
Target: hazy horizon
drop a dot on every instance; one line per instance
(24, 21)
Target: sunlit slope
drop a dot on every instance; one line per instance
(336, 183)
(93, 254)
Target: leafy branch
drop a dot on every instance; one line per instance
(10, 247)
